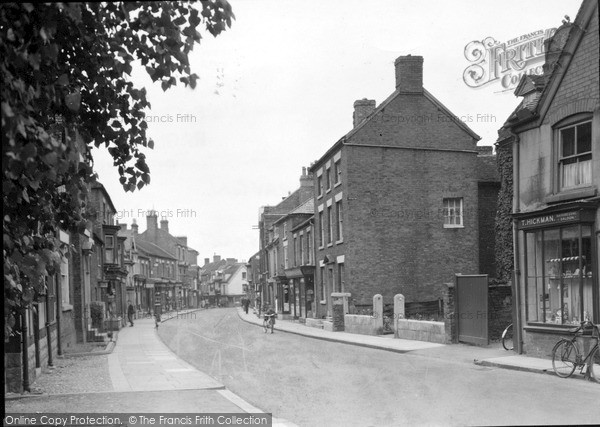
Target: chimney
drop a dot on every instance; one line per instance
(409, 74)
(164, 225)
(362, 108)
(123, 226)
(216, 258)
(182, 240)
(152, 224)
(134, 227)
(206, 261)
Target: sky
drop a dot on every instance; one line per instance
(276, 91)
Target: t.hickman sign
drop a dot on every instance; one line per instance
(549, 219)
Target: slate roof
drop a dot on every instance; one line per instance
(152, 249)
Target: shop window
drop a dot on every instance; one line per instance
(560, 275)
(575, 161)
(453, 212)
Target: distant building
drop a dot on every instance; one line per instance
(273, 246)
(401, 200)
(223, 282)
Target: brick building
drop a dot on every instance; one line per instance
(223, 282)
(554, 135)
(399, 199)
(273, 286)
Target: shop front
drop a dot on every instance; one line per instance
(300, 291)
(559, 285)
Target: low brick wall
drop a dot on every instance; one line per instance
(362, 324)
(421, 330)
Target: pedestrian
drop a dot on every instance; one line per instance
(156, 319)
(246, 304)
(130, 312)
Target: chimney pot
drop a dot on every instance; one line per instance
(216, 258)
(409, 74)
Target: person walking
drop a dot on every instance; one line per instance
(130, 312)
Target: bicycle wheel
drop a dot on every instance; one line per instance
(507, 338)
(271, 324)
(265, 325)
(594, 365)
(564, 358)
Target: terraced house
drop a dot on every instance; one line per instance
(554, 137)
(400, 200)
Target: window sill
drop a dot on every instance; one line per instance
(548, 328)
(337, 184)
(319, 196)
(321, 247)
(67, 307)
(329, 245)
(339, 242)
(577, 193)
(453, 226)
(328, 190)
(323, 302)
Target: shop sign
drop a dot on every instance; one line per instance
(549, 219)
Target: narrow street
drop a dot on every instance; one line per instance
(315, 382)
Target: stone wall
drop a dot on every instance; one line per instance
(361, 324)
(421, 330)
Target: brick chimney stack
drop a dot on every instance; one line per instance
(306, 185)
(362, 108)
(152, 224)
(206, 261)
(409, 74)
(216, 258)
(134, 227)
(164, 225)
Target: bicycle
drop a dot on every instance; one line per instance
(566, 357)
(507, 338)
(269, 322)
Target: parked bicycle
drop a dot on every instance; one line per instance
(507, 338)
(566, 356)
(269, 322)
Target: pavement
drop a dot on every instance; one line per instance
(492, 355)
(146, 376)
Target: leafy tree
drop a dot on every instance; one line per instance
(66, 88)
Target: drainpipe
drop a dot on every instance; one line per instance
(58, 315)
(48, 330)
(517, 270)
(25, 350)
